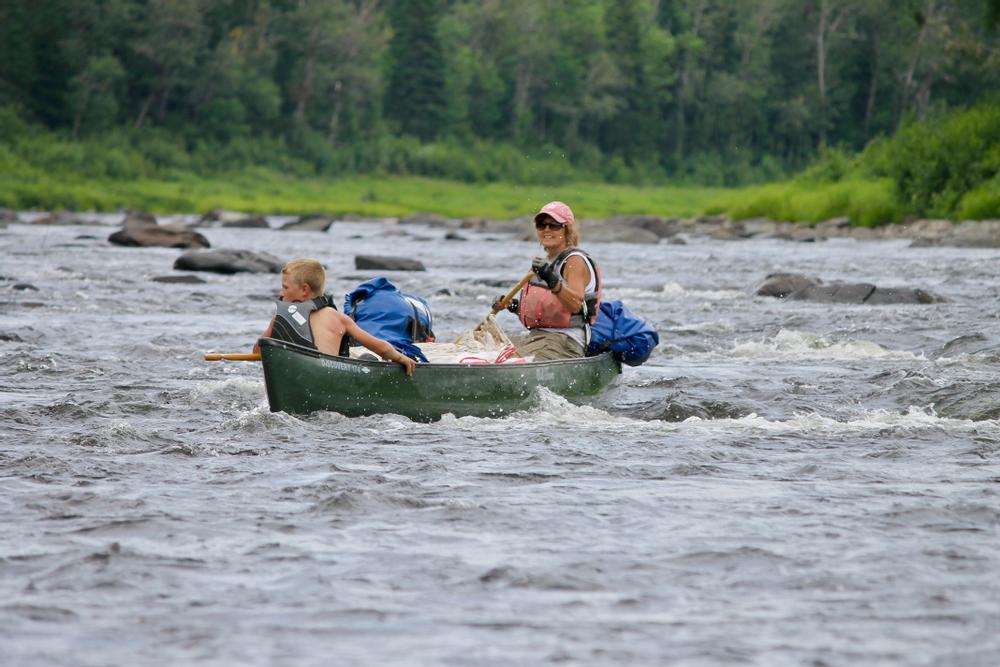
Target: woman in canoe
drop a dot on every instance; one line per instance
(561, 302)
(307, 317)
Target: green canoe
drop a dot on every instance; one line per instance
(301, 380)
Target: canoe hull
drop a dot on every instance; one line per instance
(300, 380)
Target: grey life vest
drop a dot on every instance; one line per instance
(291, 323)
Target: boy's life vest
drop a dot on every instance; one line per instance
(291, 323)
(378, 307)
(539, 308)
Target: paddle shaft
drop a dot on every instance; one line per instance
(232, 357)
(510, 295)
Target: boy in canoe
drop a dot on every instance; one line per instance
(561, 302)
(307, 317)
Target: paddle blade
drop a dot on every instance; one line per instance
(490, 334)
(496, 334)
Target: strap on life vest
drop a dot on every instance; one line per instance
(539, 308)
(292, 323)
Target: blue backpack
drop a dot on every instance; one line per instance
(628, 336)
(382, 310)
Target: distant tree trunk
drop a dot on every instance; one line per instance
(161, 106)
(916, 53)
(827, 28)
(683, 90)
(304, 91)
(922, 97)
(680, 125)
(144, 111)
(76, 124)
(338, 105)
(522, 90)
(872, 87)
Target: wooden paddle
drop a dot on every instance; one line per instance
(233, 357)
(500, 304)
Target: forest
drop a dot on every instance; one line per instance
(640, 92)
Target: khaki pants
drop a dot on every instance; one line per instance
(547, 345)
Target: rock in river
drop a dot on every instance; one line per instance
(139, 229)
(229, 261)
(798, 287)
(384, 263)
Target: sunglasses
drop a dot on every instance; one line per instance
(548, 224)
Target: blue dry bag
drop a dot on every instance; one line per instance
(628, 336)
(383, 311)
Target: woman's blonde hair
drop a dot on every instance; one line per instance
(307, 272)
(572, 236)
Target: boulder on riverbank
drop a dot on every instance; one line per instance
(139, 229)
(386, 263)
(513, 226)
(967, 234)
(922, 233)
(429, 219)
(219, 217)
(60, 218)
(229, 261)
(611, 232)
(308, 223)
(799, 287)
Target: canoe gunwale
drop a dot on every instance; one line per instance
(312, 352)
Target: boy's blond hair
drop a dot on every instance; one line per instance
(307, 272)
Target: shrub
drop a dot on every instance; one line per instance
(934, 165)
(161, 150)
(983, 203)
(11, 163)
(12, 127)
(833, 165)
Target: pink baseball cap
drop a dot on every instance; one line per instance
(559, 212)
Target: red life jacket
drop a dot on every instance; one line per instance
(539, 308)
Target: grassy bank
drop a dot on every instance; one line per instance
(156, 171)
(947, 167)
(267, 192)
(273, 193)
(866, 203)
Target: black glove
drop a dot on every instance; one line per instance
(512, 306)
(545, 271)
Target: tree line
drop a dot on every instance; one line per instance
(709, 91)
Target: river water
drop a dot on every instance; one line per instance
(784, 483)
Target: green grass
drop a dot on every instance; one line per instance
(913, 173)
(981, 203)
(867, 203)
(265, 191)
(271, 193)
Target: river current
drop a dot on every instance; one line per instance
(783, 483)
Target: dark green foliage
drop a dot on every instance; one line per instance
(627, 91)
(416, 78)
(935, 165)
(94, 94)
(631, 133)
(993, 13)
